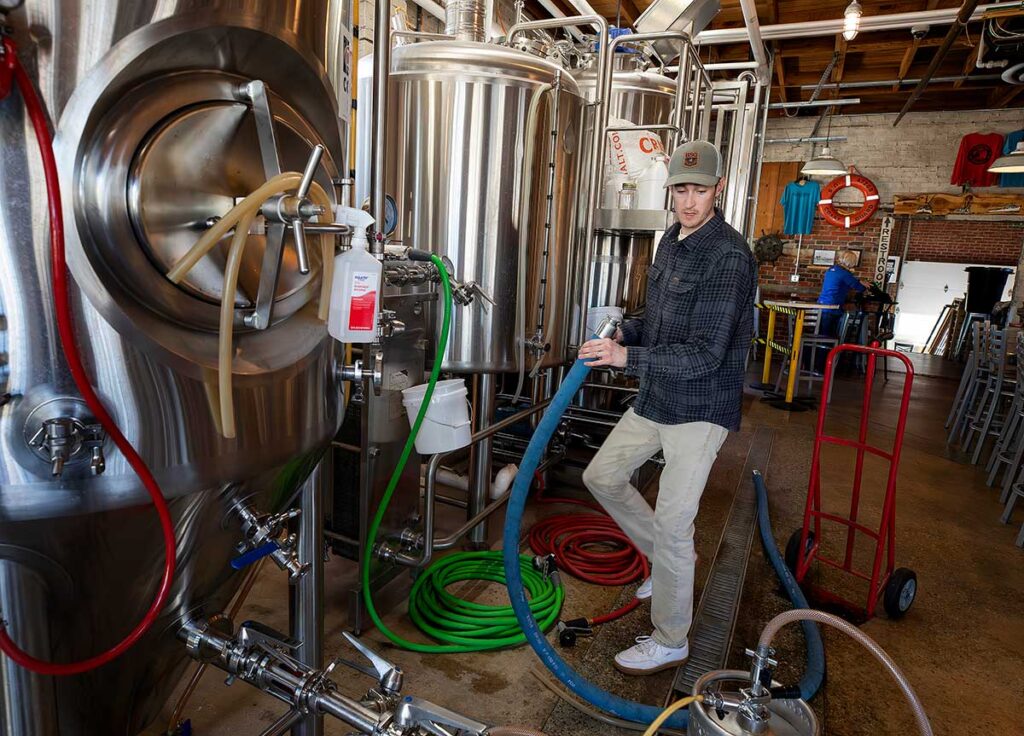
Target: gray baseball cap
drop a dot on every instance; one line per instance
(695, 162)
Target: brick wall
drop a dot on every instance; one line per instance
(952, 241)
(915, 156)
(418, 19)
(996, 243)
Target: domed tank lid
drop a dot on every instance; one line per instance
(483, 59)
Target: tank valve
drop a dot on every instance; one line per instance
(261, 538)
(64, 440)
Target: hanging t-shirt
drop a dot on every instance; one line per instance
(977, 152)
(798, 204)
(1009, 146)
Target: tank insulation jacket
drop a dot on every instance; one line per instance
(66, 332)
(240, 217)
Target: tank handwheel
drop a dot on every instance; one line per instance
(900, 591)
(793, 545)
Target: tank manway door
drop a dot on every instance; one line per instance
(187, 149)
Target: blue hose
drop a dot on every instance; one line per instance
(627, 709)
(815, 673)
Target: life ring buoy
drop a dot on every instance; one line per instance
(834, 216)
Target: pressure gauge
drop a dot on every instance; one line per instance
(390, 214)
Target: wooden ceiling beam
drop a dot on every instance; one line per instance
(908, 60)
(780, 78)
(1003, 95)
(972, 59)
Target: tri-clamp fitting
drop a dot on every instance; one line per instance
(66, 439)
(261, 537)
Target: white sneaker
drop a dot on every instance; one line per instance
(646, 590)
(648, 656)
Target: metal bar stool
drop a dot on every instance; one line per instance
(975, 380)
(1009, 449)
(992, 412)
(1016, 492)
(811, 342)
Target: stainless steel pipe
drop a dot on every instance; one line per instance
(378, 134)
(480, 462)
(307, 595)
(430, 487)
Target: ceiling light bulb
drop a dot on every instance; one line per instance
(851, 20)
(824, 164)
(1011, 163)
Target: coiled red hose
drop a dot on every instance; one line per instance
(590, 547)
(65, 328)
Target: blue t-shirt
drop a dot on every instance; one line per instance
(1009, 146)
(837, 284)
(799, 201)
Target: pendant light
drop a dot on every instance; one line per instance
(851, 20)
(825, 164)
(1011, 163)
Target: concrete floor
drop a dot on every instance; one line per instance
(965, 633)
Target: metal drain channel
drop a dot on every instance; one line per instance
(715, 620)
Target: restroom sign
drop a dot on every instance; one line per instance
(884, 239)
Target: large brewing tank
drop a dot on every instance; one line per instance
(153, 139)
(621, 256)
(458, 138)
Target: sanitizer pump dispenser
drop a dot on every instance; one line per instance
(355, 292)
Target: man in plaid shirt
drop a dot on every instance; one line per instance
(689, 353)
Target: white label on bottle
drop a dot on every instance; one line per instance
(362, 305)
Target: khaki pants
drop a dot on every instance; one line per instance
(664, 534)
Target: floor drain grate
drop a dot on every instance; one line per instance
(715, 620)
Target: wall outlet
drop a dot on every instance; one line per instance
(794, 277)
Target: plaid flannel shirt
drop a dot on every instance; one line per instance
(689, 347)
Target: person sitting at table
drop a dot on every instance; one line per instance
(836, 286)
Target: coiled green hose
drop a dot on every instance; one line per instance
(464, 626)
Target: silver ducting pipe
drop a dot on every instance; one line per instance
(809, 29)
(749, 8)
(466, 20)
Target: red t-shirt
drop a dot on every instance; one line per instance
(977, 152)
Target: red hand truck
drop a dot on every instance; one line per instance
(896, 586)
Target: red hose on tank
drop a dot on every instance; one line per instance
(65, 328)
(590, 547)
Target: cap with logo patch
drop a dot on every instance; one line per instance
(695, 162)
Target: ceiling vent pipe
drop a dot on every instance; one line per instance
(466, 20)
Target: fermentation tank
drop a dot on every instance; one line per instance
(155, 138)
(622, 254)
(469, 169)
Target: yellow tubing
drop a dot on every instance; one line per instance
(240, 217)
(665, 714)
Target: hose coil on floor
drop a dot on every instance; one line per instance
(477, 626)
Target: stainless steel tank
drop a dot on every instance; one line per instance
(152, 140)
(457, 138)
(622, 256)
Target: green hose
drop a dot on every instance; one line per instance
(467, 626)
(472, 626)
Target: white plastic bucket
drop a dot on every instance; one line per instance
(446, 425)
(596, 315)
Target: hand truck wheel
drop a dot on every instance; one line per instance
(900, 591)
(793, 545)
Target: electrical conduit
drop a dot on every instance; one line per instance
(66, 332)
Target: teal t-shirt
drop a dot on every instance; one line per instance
(799, 201)
(1009, 145)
